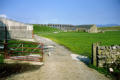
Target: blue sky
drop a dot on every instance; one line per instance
(62, 11)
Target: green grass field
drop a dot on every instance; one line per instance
(80, 42)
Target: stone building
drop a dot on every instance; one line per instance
(15, 30)
(87, 28)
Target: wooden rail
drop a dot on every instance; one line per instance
(9, 54)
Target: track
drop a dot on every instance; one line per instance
(59, 66)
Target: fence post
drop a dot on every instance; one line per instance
(94, 54)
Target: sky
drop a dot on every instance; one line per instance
(62, 11)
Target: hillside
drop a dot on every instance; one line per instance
(114, 28)
(107, 25)
(40, 28)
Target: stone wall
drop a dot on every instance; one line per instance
(103, 55)
(107, 54)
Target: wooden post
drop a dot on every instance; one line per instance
(94, 54)
(94, 58)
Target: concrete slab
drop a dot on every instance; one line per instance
(11, 61)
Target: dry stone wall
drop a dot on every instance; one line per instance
(104, 55)
(107, 54)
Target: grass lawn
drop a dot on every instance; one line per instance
(81, 43)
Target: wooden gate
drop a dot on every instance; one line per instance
(24, 51)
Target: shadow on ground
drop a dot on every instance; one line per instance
(85, 60)
(7, 70)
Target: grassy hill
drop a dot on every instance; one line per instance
(110, 28)
(39, 28)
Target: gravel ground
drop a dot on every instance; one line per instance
(59, 66)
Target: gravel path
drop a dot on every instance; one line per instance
(60, 66)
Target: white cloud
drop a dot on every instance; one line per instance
(3, 15)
